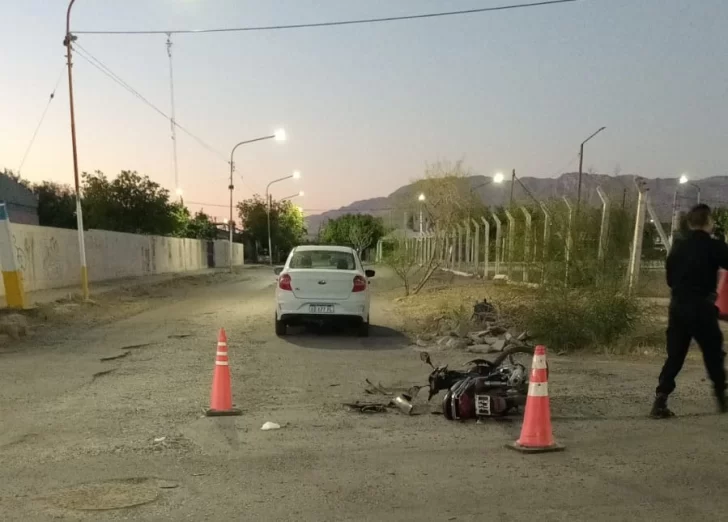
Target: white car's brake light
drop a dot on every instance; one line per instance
(284, 282)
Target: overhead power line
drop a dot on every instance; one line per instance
(342, 22)
(42, 118)
(98, 64)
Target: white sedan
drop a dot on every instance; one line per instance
(322, 283)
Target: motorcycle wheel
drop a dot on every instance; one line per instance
(519, 349)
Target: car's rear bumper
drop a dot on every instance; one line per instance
(301, 309)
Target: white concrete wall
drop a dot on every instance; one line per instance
(49, 257)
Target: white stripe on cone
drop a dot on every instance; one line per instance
(539, 362)
(224, 354)
(221, 363)
(538, 389)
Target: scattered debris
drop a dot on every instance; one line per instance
(136, 346)
(167, 484)
(179, 336)
(160, 439)
(368, 407)
(404, 403)
(114, 357)
(14, 325)
(270, 426)
(101, 374)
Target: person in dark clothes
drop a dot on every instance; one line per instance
(692, 275)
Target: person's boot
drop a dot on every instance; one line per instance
(722, 403)
(660, 409)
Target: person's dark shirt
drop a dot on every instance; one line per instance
(692, 265)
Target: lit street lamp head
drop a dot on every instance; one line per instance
(280, 135)
(498, 178)
(179, 191)
(296, 174)
(421, 197)
(683, 179)
(301, 193)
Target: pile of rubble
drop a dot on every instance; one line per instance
(487, 332)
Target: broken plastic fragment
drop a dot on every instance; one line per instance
(270, 426)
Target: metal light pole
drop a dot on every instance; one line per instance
(421, 199)
(268, 198)
(297, 195)
(581, 165)
(68, 43)
(280, 135)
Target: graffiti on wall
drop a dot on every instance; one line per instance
(52, 260)
(20, 256)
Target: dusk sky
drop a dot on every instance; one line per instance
(366, 107)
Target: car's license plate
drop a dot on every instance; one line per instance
(482, 405)
(321, 309)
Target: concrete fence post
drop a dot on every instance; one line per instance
(526, 243)
(511, 243)
(476, 248)
(546, 240)
(486, 245)
(498, 236)
(604, 228)
(569, 239)
(639, 231)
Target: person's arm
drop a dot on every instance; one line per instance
(721, 254)
(669, 266)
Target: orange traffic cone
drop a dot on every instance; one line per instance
(536, 435)
(221, 399)
(722, 301)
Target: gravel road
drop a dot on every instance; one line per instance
(78, 432)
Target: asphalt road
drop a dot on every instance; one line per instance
(72, 426)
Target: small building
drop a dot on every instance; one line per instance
(20, 201)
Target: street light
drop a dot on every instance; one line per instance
(684, 180)
(296, 175)
(68, 43)
(497, 179)
(421, 198)
(279, 135)
(300, 194)
(581, 165)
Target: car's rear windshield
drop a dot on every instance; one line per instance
(329, 259)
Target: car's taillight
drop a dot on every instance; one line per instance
(360, 284)
(284, 282)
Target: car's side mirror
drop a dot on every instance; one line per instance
(369, 273)
(277, 270)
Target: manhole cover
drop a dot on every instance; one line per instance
(113, 494)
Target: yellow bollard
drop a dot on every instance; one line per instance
(12, 275)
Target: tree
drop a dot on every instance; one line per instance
(201, 227)
(130, 203)
(286, 224)
(56, 205)
(360, 231)
(449, 201)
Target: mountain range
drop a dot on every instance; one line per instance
(620, 189)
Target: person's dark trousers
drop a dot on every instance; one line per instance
(687, 320)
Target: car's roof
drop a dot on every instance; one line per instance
(330, 248)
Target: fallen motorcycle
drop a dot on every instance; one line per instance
(485, 388)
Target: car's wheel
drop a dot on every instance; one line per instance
(280, 327)
(363, 328)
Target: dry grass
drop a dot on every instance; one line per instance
(446, 304)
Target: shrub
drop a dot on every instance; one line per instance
(574, 319)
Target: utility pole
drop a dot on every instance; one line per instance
(68, 42)
(173, 119)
